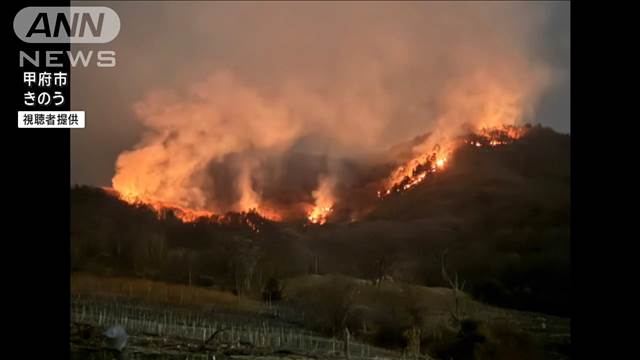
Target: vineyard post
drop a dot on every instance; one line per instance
(347, 337)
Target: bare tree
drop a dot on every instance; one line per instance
(243, 265)
(458, 311)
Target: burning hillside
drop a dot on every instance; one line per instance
(323, 200)
(294, 136)
(420, 168)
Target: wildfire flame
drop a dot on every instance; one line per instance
(251, 218)
(324, 201)
(496, 136)
(404, 178)
(319, 215)
(417, 170)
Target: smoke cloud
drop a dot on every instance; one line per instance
(274, 100)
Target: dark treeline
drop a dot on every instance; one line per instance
(502, 215)
(111, 237)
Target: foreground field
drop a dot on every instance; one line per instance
(169, 321)
(158, 333)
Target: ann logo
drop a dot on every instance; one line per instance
(75, 24)
(41, 25)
